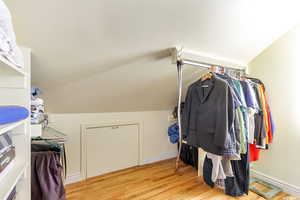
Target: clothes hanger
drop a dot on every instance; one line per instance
(209, 75)
(206, 76)
(222, 70)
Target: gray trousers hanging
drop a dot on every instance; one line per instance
(46, 176)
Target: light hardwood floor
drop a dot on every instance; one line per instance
(156, 181)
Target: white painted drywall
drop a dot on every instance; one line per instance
(155, 144)
(279, 67)
(95, 52)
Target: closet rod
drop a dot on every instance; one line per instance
(207, 65)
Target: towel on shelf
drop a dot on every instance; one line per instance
(5, 141)
(7, 150)
(4, 43)
(11, 114)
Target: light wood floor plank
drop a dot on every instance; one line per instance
(156, 181)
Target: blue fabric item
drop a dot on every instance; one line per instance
(10, 114)
(174, 139)
(248, 96)
(173, 133)
(35, 91)
(272, 124)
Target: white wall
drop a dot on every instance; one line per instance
(155, 144)
(103, 43)
(279, 67)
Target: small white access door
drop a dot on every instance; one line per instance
(111, 148)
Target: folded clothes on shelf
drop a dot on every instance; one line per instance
(8, 46)
(37, 106)
(37, 111)
(5, 141)
(11, 114)
(7, 150)
(7, 157)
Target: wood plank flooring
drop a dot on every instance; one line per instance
(156, 181)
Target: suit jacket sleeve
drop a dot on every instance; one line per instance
(224, 119)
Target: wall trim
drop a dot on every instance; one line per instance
(73, 178)
(159, 158)
(286, 187)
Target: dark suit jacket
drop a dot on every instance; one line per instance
(208, 114)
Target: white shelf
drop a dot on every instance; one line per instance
(15, 90)
(7, 67)
(11, 126)
(10, 177)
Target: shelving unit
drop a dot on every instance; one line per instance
(12, 76)
(9, 127)
(9, 68)
(10, 177)
(15, 90)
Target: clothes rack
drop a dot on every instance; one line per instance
(204, 65)
(51, 135)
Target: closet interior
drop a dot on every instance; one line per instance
(158, 100)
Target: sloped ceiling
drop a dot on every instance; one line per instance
(111, 55)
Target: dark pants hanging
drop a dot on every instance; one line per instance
(189, 155)
(234, 186)
(239, 184)
(46, 179)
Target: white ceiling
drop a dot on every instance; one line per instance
(111, 55)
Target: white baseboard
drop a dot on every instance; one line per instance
(286, 187)
(159, 158)
(73, 178)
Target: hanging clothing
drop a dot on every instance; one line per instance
(207, 115)
(254, 153)
(235, 186)
(46, 180)
(241, 124)
(46, 172)
(236, 98)
(232, 152)
(231, 120)
(239, 184)
(249, 99)
(252, 108)
(221, 167)
(189, 155)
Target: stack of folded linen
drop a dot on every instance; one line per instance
(7, 150)
(37, 106)
(9, 114)
(8, 46)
